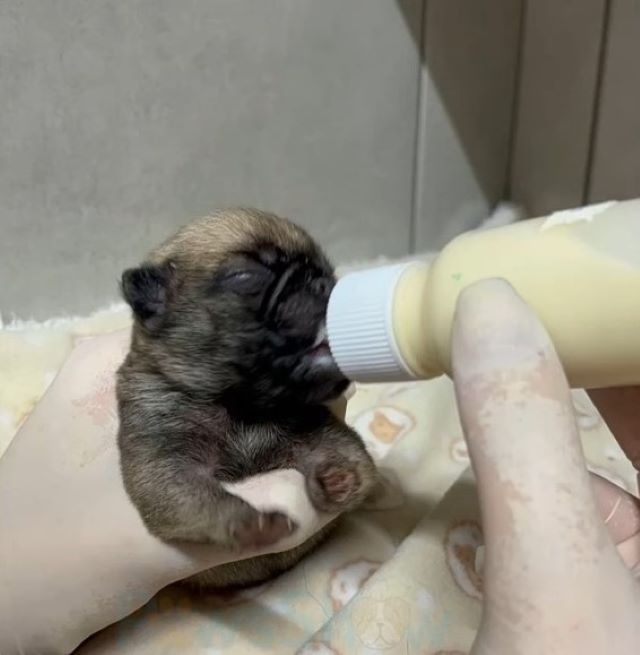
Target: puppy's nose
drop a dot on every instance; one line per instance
(323, 286)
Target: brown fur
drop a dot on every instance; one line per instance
(223, 381)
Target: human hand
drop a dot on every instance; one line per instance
(554, 581)
(620, 408)
(74, 553)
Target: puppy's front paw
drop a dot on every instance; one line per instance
(336, 486)
(338, 483)
(260, 529)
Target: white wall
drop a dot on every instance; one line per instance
(384, 126)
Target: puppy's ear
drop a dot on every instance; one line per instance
(146, 289)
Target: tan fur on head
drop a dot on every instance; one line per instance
(209, 239)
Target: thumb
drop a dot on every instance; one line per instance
(543, 533)
(281, 490)
(619, 407)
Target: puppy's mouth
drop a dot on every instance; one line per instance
(314, 371)
(319, 351)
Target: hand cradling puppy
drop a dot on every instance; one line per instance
(229, 375)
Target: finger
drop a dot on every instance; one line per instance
(541, 520)
(621, 514)
(282, 490)
(620, 409)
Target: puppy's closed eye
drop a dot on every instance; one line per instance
(244, 277)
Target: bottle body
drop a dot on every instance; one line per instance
(579, 271)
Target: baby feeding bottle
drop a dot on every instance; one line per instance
(578, 269)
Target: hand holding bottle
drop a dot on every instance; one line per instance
(554, 580)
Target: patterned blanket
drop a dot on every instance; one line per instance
(402, 575)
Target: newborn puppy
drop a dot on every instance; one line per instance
(228, 376)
